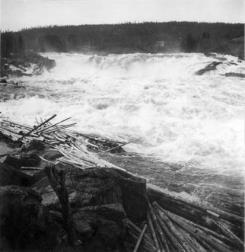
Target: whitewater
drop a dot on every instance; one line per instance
(155, 102)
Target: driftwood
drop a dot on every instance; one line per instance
(140, 238)
(17, 124)
(228, 241)
(197, 214)
(171, 239)
(75, 151)
(229, 233)
(153, 233)
(135, 231)
(57, 181)
(52, 125)
(178, 238)
(209, 242)
(37, 127)
(161, 236)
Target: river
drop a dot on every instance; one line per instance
(185, 132)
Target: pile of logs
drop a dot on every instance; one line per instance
(165, 231)
(75, 148)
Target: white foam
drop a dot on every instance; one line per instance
(155, 102)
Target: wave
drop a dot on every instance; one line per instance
(155, 102)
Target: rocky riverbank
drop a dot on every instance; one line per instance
(56, 196)
(25, 64)
(101, 201)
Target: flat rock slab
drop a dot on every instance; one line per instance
(99, 186)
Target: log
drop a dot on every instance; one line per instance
(17, 124)
(209, 242)
(193, 212)
(61, 127)
(229, 233)
(204, 229)
(175, 244)
(11, 131)
(147, 239)
(30, 168)
(144, 246)
(160, 235)
(37, 127)
(178, 238)
(134, 231)
(153, 233)
(53, 125)
(140, 238)
(57, 182)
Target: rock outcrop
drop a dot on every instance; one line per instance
(24, 223)
(101, 200)
(27, 64)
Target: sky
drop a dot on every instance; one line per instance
(18, 14)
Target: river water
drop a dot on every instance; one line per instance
(156, 102)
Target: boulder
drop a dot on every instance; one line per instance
(24, 223)
(25, 159)
(101, 227)
(36, 145)
(210, 67)
(133, 196)
(52, 155)
(12, 176)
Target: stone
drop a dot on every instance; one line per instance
(93, 187)
(133, 196)
(26, 159)
(12, 176)
(24, 223)
(36, 145)
(101, 226)
(52, 155)
(210, 67)
(100, 186)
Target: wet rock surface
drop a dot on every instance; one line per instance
(12, 176)
(24, 223)
(61, 207)
(210, 67)
(25, 65)
(31, 216)
(95, 186)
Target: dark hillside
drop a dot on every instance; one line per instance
(128, 38)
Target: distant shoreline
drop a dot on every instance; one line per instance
(166, 37)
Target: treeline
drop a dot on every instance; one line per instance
(128, 38)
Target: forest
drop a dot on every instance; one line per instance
(128, 38)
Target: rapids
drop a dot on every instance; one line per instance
(155, 102)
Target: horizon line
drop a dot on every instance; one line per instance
(123, 23)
